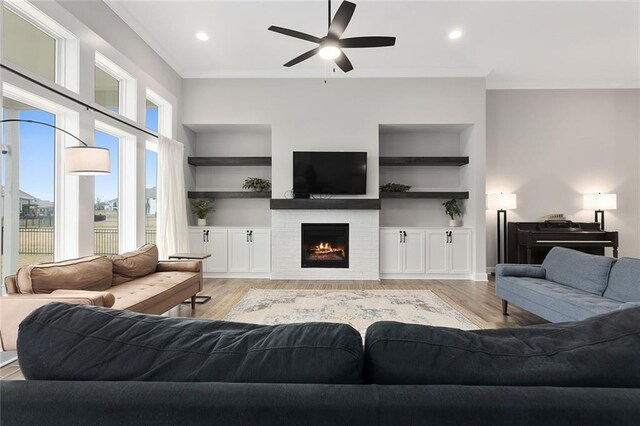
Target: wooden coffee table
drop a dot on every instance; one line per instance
(193, 256)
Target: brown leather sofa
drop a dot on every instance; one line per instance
(135, 281)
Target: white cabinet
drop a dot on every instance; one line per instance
(448, 251)
(249, 250)
(402, 251)
(214, 242)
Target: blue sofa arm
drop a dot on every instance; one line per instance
(516, 270)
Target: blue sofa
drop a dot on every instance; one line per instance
(570, 285)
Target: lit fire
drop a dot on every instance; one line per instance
(325, 248)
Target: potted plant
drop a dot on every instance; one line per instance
(394, 187)
(257, 184)
(201, 208)
(453, 210)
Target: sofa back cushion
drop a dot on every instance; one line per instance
(134, 264)
(86, 273)
(601, 351)
(624, 281)
(586, 272)
(61, 341)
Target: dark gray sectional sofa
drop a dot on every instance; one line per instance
(97, 366)
(570, 285)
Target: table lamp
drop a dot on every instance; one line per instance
(600, 202)
(501, 202)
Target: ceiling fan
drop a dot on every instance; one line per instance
(330, 46)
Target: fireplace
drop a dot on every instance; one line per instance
(325, 245)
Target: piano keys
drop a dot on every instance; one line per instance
(529, 242)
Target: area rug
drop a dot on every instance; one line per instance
(360, 308)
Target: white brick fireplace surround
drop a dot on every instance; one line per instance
(364, 256)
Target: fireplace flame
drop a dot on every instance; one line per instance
(326, 248)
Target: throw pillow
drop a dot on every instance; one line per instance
(134, 264)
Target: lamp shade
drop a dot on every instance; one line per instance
(600, 201)
(501, 201)
(87, 160)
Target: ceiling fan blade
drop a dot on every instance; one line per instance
(302, 57)
(343, 62)
(341, 19)
(367, 42)
(294, 33)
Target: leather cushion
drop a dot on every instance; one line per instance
(133, 264)
(70, 342)
(143, 293)
(601, 351)
(86, 273)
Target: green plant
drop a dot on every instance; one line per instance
(201, 208)
(452, 209)
(257, 184)
(394, 187)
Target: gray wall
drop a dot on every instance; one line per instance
(552, 146)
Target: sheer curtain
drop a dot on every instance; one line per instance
(173, 231)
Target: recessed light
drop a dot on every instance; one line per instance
(202, 36)
(455, 34)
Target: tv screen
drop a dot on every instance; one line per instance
(330, 172)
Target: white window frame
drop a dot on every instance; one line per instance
(67, 55)
(127, 93)
(127, 185)
(165, 113)
(66, 186)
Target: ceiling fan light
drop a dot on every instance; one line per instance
(329, 52)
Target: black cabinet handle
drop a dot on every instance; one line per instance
(207, 235)
(400, 232)
(251, 236)
(247, 236)
(404, 233)
(203, 236)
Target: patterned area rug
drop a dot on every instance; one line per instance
(360, 308)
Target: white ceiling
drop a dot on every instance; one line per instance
(516, 44)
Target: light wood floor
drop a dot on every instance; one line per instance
(477, 300)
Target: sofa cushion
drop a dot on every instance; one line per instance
(601, 351)
(86, 273)
(133, 264)
(570, 303)
(624, 281)
(583, 271)
(61, 341)
(141, 294)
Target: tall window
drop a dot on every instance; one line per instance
(107, 90)
(34, 146)
(26, 45)
(106, 214)
(151, 174)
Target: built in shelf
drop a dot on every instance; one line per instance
(229, 161)
(229, 194)
(326, 204)
(425, 194)
(423, 161)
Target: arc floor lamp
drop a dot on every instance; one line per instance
(81, 160)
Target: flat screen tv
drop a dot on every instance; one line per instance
(330, 172)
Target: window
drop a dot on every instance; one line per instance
(107, 202)
(150, 190)
(28, 46)
(38, 44)
(107, 91)
(114, 88)
(34, 146)
(151, 116)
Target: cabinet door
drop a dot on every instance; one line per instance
(390, 251)
(436, 252)
(196, 240)
(239, 250)
(260, 242)
(413, 250)
(460, 252)
(216, 245)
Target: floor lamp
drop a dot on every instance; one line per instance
(501, 203)
(600, 202)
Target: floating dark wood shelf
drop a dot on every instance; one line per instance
(423, 161)
(229, 161)
(326, 204)
(229, 194)
(425, 194)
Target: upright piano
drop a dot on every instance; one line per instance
(529, 242)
